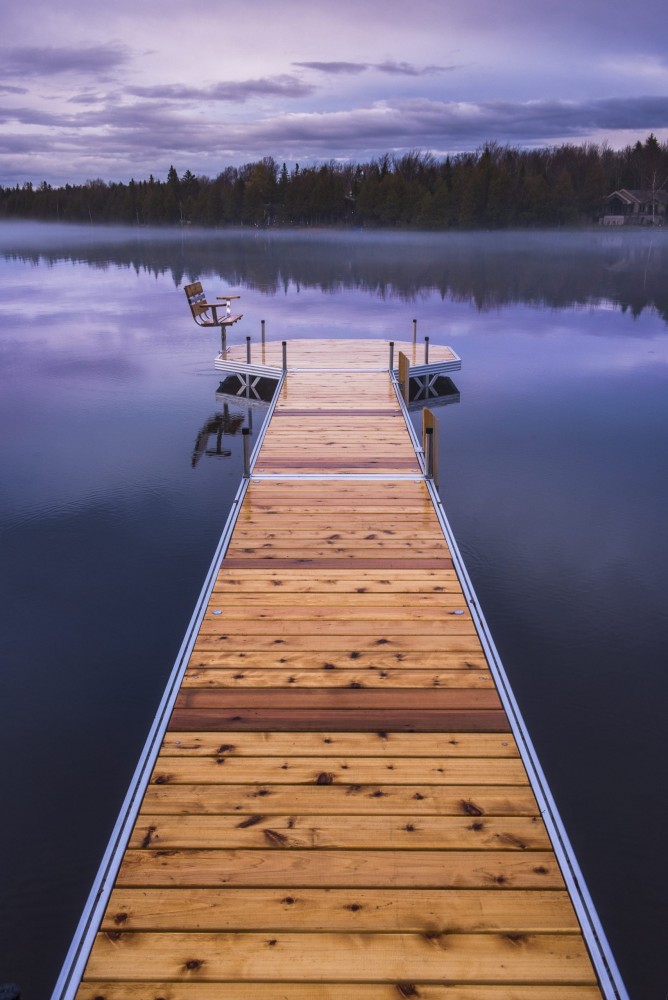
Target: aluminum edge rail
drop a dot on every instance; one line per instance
(610, 979)
(74, 966)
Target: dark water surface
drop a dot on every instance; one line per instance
(555, 478)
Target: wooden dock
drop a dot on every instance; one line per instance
(339, 805)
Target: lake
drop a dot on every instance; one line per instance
(554, 476)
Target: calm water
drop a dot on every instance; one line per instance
(555, 479)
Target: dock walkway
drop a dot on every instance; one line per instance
(339, 809)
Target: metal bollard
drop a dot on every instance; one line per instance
(391, 355)
(245, 434)
(262, 322)
(429, 452)
(248, 350)
(426, 350)
(284, 345)
(414, 330)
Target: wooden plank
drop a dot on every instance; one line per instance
(334, 744)
(354, 646)
(160, 990)
(357, 800)
(342, 832)
(447, 625)
(202, 677)
(369, 869)
(294, 563)
(467, 698)
(342, 581)
(289, 534)
(368, 660)
(368, 957)
(224, 769)
(340, 720)
(246, 589)
(454, 620)
(313, 466)
(417, 910)
(323, 611)
(363, 490)
(410, 550)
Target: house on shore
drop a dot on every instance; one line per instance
(637, 208)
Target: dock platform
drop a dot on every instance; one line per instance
(338, 798)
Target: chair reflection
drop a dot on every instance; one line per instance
(219, 425)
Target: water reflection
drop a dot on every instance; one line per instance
(432, 390)
(216, 427)
(557, 269)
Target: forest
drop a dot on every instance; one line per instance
(495, 187)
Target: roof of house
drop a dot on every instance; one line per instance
(639, 196)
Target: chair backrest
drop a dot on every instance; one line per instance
(197, 301)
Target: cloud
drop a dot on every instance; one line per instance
(6, 89)
(237, 92)
(406, 69)
(335, 68)
(36, 61)
(86, 97)
(444, 126)
(389, 66)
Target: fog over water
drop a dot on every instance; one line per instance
(555, 480)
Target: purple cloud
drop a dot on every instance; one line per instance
(335, 68)
(406, 69)
(35, 61)
(389, 66)
(232, 91)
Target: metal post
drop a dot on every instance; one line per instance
(284, 345)
(426, 350)
(414, 330)
(391, 355)
(245, 433)
(223, 340)
(248, 350)
(429, 452)
(262, 322)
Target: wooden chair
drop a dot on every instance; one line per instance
(218, 313)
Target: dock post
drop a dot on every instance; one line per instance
(426, 350)
(414, 331)
(284, 345)
(391, 355)
(223, 340)
(262, 327)
(245, 433)
(248, 350)
(430, 445)
(429, 452)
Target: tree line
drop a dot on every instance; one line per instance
(494, 187)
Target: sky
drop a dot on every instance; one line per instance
(127, 88)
